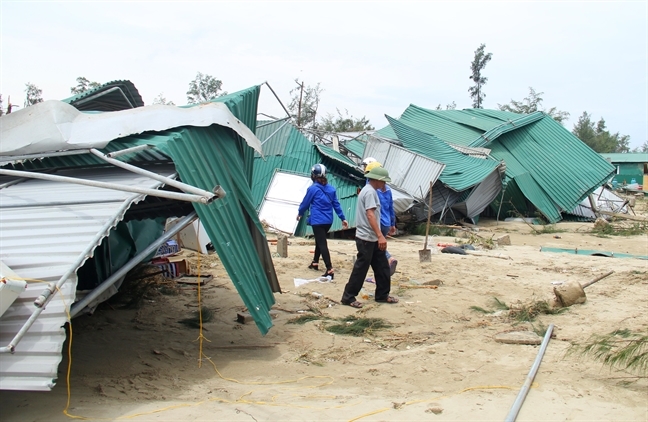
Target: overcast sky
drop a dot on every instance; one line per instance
(371, 58)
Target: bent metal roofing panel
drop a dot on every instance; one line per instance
(46, 226)
(563, 166)
(461, 171)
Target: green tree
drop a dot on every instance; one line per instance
(344, 123)
(642, 148)
(478, 64)
(161, 99)
(33, 94)
(451, 106)
(597, 137)
(204, 88)
(533, 103)
(83, 85)
(304, 104)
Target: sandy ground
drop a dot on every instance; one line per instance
(439, 360)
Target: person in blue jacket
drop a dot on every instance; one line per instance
(321, 199)
(387, 212)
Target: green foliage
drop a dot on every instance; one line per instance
(344, 123)
(495, 303)
(610, 230)
(531, 104)
(354, 326)
(161, 99)
(622, 349)
(83, 85)
(204, 88)
(304, 104)
(478, 64)
(528, 312)
(33, 94)
(451, 106)
(303, 319)
(435, 230)
(642, 148)
(597, 137)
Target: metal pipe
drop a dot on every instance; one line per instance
(275, 120)
(128, 150)
(277, 97)
(273, 133)
(87, 252)
(532, 373)
(113, 186)
(182, 223)
(12, 182)
(166, 180)
(500, 205)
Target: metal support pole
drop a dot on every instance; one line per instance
(114, 186)
(500, 205)
(532, 373)
(138, 148)
(182, 223)
(273, 133)
(166, 180)
(277, 97)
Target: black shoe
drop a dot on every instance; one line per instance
(314, 266)
(329, 273)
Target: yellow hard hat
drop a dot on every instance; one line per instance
(372, 165)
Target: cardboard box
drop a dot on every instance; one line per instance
(174, 267)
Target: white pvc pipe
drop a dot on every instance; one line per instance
(519, 400)
(114, 186)
(184, 222)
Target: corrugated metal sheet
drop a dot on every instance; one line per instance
(408, 171)
(334, 155)
(356, 146)
(494, 133)
(206, 157)
(40, 242)
(296, 154)
(461, 171)
(111, 96)
(606, 200)
(473, 152)
(481, 196)
(540, 148)
(628, 157)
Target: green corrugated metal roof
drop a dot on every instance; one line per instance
(459, 127)
(206, 157)
(335, 155)
(629, 157)
(356, 146)
(485, 138)
(540, 149)
(461, 171)
(291, 151)
(111, 96)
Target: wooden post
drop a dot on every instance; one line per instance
(282, 246)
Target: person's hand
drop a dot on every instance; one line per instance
(382, 243)
(392, 231)
(298, 217)
(345, 224)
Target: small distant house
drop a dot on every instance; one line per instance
(629, 167)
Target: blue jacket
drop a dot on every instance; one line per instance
(387, 212)
(322, 200)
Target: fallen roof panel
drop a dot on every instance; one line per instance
(41, 242)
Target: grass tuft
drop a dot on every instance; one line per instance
(620, 349)
(354, 326)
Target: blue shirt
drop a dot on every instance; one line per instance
(387, 212)
(322, 200)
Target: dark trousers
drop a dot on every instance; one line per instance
(368, 256)
(320, 232)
